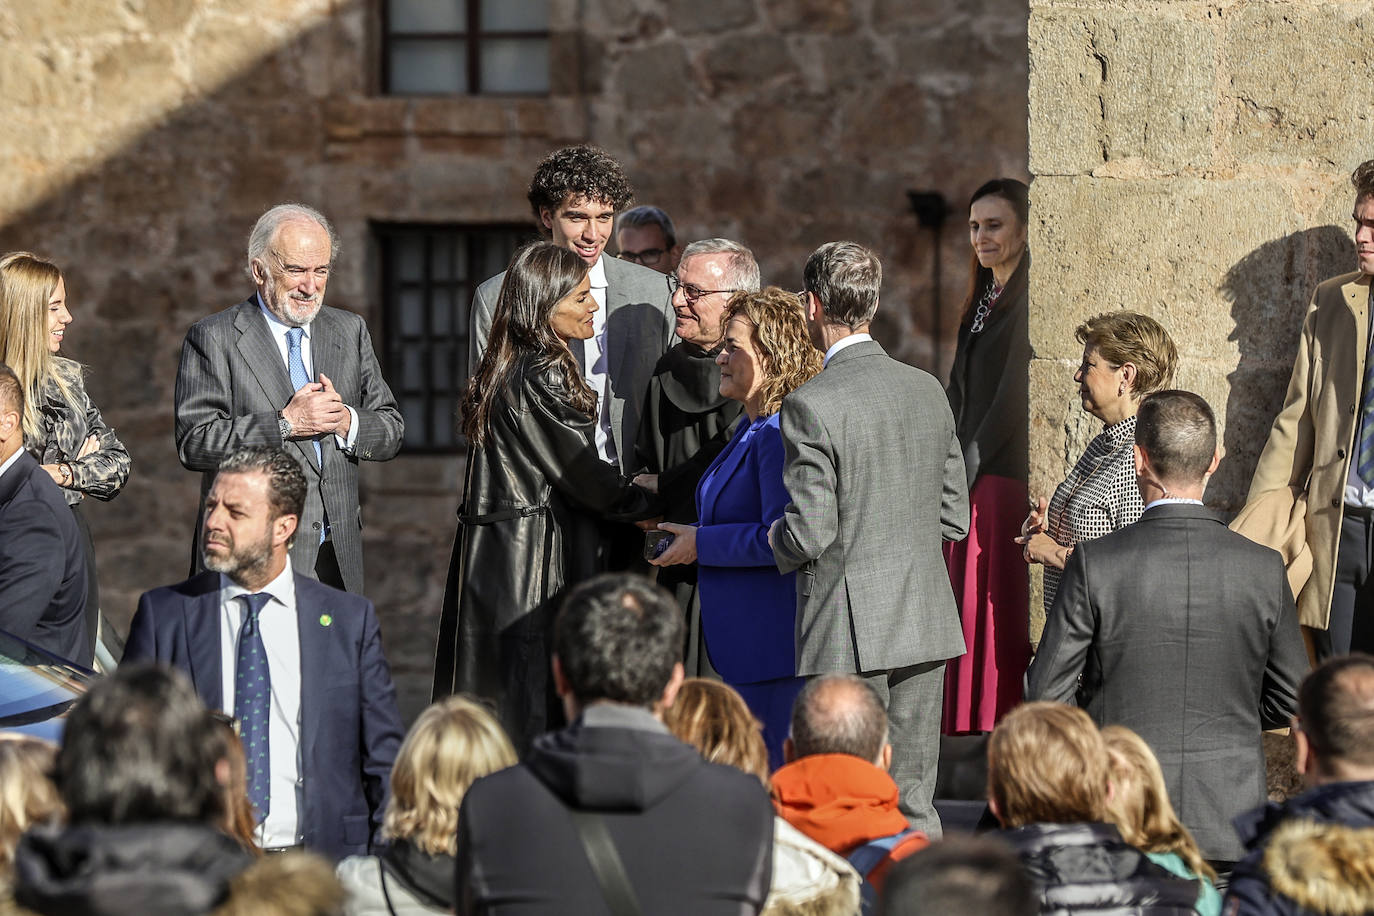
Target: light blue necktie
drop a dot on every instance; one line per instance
(253, 703)
(299, 377)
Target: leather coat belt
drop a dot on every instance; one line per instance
(504, 515)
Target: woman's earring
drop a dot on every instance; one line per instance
(1121, 389)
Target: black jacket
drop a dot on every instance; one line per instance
(1314, 854)
(695, 837)
(155, 869)
(1088, 868)
(535, 490)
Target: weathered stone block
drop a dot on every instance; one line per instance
(690, 17)
(748, 63)
(654, 77)
(812, 15)
(1298, 82)
(1113, 84)
(132, 80)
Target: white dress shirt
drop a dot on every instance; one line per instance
(594, 366)
(278, 330)
(9, 462)
(1173, 501)
(282, 639)
(840, 344)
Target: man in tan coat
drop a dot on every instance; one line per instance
(1312, 497)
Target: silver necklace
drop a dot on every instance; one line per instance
(984, 309)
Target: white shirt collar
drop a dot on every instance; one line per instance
(1173, 500)
(9, 462)
(843, 342)
(597, 275)
(275, 325)
(282, 588)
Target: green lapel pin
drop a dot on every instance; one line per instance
(325, 620)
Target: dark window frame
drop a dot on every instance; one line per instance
(475, 237)
(473, 39)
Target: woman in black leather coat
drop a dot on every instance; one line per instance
(534, 491)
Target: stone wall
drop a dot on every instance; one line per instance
(145, 136)
(1191, 161)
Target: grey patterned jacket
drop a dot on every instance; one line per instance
(64, 429)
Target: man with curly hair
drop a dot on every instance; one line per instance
(575, 194)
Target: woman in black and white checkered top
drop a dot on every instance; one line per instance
(1126, 356)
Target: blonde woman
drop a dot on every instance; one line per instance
(748, 608)
(63, 429)
(1139, 805)
(453, 743)
(27, 793)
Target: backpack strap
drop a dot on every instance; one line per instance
(868, 857)
(606, 864)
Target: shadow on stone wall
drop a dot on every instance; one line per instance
(1269, 290)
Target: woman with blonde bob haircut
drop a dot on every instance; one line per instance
(27, 793)
(63, 430)
(1139, 806)
(807, 878)
(1048, 777)
(452, 744)
(748, 609)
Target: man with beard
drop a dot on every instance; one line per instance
(279, 369)
(298, 664)
(687, 422)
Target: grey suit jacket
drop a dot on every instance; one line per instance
(1187, 634)
(876, 478)
(639, 329)
(230, 385)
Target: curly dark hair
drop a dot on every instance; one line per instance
(582, 171)
(1362, 179)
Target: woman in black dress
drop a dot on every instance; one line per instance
(534, 491)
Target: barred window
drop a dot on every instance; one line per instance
(429, 275)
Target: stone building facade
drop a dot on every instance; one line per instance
(144, 136)
(1191, 161)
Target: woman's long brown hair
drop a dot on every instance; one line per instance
(539, 275)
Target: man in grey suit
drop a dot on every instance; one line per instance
(876, 478)
(575, 193)
(281, 369)
(1180, 630)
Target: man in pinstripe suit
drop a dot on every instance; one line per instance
(876, 478)
(280, 369)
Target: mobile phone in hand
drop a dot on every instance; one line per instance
(655, 542)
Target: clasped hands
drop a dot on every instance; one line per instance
(317, 408)
(1036, 545)
(91, 444)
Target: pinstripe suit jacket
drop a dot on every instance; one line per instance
(230, 385)
(876, 477)
(639, 330)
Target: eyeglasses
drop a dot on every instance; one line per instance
(690, 291)
(649, 257)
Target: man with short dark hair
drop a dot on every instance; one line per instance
(1312, 494)
(1313, 854)
(575, 193)
(139, 773)
(42, 558)
(282, 369)
(835, 786)
(645, 235)
(613, 806)
(297, 663)
(960, 876)
(1180, 630)
(876, 476)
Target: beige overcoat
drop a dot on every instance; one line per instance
(1308, 453)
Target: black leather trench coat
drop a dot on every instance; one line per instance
(534, 492)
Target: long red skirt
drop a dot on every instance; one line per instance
(991, 589)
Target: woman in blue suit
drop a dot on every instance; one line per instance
(748, 609)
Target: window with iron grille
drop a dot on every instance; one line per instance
(465, 47)
(429, 274)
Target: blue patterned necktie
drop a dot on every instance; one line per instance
(253, 703)
(299, 377)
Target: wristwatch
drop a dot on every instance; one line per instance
(284, 426)
(65, 470)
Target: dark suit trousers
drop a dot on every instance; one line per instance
(914, 697)
(1352, 595)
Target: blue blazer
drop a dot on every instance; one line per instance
(350, 727)
(748, 609)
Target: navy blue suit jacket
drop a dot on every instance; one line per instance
(748, 609)
(350, 728)
(42, 563)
